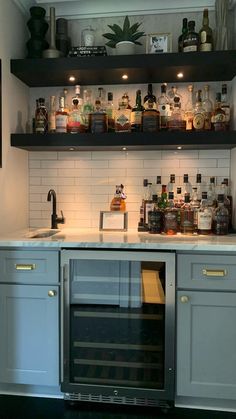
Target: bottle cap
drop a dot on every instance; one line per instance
(154, 198)
(220, 198)
(171, 195)
(110, 96)
(218, 97)
(158, 180)
(179, 190)
(204, 195)
(145, 182)
(187, 198)
(172, 178)
(198, 178)
(212, 180)
(185, 178)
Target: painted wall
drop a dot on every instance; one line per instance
(14, 171)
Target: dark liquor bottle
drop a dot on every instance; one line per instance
(150, 118)
(171, 216)
(41, 117)
(162, 202)
(155, 218)
(98, 120)
(136, 114)
(184, 32)
(187, 217)
(205, 34)
(141, 226)
(149, 97)
(225, 105)
(191, 38)
(218, 117)
(220, 224)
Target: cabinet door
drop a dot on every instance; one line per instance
(29, 324)
(206, 342)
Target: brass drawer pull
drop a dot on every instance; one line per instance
(25, 267)
(214, 272)
(52, 293)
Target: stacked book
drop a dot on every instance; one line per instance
(87, 51)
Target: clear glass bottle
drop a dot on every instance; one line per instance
(110, 111)
(204, 222)
(171, 184)
(52, 115)
(98, 120)
(171, 216)
(157, 188)
(187, 217)
(184, 32)
(178, 197)
(126, 101)
(205, 34)
(61, 116)
(220, 224)
(136, 113)
(199, 186)
(150, 117)
(191, 38)
(66, 104)
(118, 201)
(195, 205)
(142, 226)
(187, 187)
(41, 117)
(86, 109)
(218, 117)
(149, 97)
(122, 117)
(164, 108)
(211, 193)
(208, 108)
(225, 105)
(188, 114)
(172, 94)
(176, 121)
(199, 113)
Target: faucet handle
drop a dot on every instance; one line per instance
(61, 220)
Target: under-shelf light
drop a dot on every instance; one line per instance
(179, 147)
(180, 75)
(125, 76)
(72, 78)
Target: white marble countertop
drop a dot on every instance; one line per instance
(93, 238)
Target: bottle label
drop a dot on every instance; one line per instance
(190, 48)
(150, 123)
(226, 109)
(204, 221)
(207, 123)
(164, 109)
(61, 123)
(203, 37)
(206, 46)
(122, 120)
(136, 118)
(189, 121)
(198, 121)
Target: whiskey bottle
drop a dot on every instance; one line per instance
(52, 115)
(98, 121)
(41, 117)
(204, 216)
(74, 118)
(122, 117)
(164, 108)
(176, 121)
(141, 224)
(150, 117)
(187, 187)
(162, 202)
(191, 38)
(118, 201)
(220, 223)
(205, 34)
(208, 109)
(225, 106)
(155, 218)
(195, 205)
(198, 114)
(61, 116)
(136, 114)
(150, 97)
(172, 94)
(158, 187)
(187, 217)
(86, 109)
(110, 112)
(171, 216)
(184, 32)
(218, 117)
(188, 114)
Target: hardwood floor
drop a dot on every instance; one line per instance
(18, 407)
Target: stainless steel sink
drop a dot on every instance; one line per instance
(42, 233)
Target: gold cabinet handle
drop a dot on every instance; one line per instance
(214, 272)
(52, 293)
(184, 299)
(25, 267)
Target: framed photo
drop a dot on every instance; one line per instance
(113, 221)
(158, 42)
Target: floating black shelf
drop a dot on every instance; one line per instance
(131, 141)
(140, 68)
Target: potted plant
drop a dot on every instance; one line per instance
(124, 39)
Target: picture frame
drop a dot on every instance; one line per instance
(113, 221)
(157, 43)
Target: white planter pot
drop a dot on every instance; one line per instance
(125, 48)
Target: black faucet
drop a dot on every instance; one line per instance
(54, 218)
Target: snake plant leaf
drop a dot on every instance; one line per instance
(127, 33)
(134, 27)
(111, 36)
(137, 35)
(116, 29)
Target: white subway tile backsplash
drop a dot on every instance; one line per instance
(85, 181)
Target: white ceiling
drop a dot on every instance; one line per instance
(77, 9)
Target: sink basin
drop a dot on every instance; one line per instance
(42, 233)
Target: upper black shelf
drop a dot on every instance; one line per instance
(162, 140)
(140, 68)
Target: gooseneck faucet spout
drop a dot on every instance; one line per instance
(54, 218)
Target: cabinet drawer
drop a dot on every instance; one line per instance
(213, 272)
(29, 267)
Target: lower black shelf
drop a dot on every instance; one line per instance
(162, 140)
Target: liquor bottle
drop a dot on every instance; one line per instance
(211, 193)
(136, 114)
(198, 113)
(162, 202)
(199, 186)
(218, 117)
(187, 187)
(150, 117)
(110, 112)
(227, 199)
(171, 216)
(118, 201)
(225, 106)
(205, 34)
(158, 187)
(178, 197)
(102, 97)
(86, 109)
(150, 97)
(74, 117)
(41, 117)
(66, 104)
(122, 117)
(126, 101)
(184, 32)
(188, 114)
(164, 108)
(172, 94)
(191, 38)
(195, 205)
(176, 121)
(61, 116)
(204, 222)
(98, 121)
(171, 183)
(208, 109)
(155, 219)
(220, 223)
(52, 115)
(141, 224)
(187, 217)
(148, 202)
